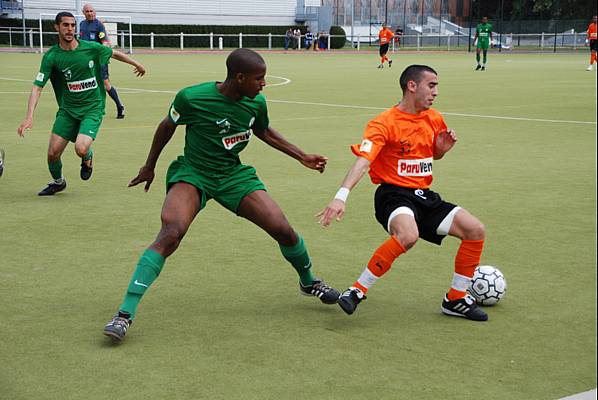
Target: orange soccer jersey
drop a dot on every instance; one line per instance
(400, 147)
(385, 35)
(592, 31)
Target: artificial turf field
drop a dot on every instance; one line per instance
(225, 319)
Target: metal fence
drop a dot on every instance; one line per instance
(543, 42)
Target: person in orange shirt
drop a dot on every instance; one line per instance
(385, 36)
(399, 148)
(592, 39)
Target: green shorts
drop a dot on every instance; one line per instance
(68, 127)
(228, 190)
(483, 44)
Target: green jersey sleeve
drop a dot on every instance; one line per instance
(179, 112)
(261, 121)
(45, 70)
(105, 53)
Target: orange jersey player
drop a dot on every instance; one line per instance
(385, 36)
(399, 148)
(592, 39)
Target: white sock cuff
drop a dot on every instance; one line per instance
(460, 282)
(367, 278)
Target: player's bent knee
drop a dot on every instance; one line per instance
(475, 231)
(407, 240)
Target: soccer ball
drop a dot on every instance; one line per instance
(488, 285)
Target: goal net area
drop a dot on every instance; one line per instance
(122, 38)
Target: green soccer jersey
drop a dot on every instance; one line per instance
(484, 31)
(217, 127)
(76, 77)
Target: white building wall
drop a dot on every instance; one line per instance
(198, 12)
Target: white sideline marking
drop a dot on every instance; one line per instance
(589, 395)
(309, 103)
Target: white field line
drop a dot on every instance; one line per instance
(309, 103)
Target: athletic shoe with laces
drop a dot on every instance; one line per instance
(321, 290)
(389, 63)
(86, 170)
(484, 68)
(52, 188)
(2, 156)
(478, 67)
(120, 113)
(117, 327)
(350, 299)
(381, 66)
(463, 307)
(590, 67)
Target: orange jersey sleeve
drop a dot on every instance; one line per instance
(400, 147)
(385, 35)
(592, 32)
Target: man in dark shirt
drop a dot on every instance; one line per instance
(93, 30)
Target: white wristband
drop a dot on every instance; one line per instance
(342, 194)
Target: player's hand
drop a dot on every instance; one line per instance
(334, 210)
(445, 141)
(315, 161)
(26, 124)
(139, 70)
(146, 175)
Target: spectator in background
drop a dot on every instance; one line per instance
(309, 38)
(296, 38)
(398, 36)
(288, 36)
(322, 41)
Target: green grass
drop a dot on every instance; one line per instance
(225, 320)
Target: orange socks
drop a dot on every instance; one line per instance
(466, 261)
(380, 262)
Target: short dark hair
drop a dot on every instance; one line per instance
(242, 60)
(61, 14)
(414, 73)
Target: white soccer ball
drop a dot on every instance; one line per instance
(488, 285)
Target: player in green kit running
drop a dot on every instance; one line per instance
(483, 36)
(219, 119)
(74, 67)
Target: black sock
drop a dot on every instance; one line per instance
(114, 96)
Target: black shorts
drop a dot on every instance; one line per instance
(428, 208)
(593, 45)
(383, 49)
(104, 70)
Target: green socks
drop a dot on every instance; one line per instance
(55, 169)
(89, 155)
(485, 56)
(299, 259)
(148, 268)
(477, 57)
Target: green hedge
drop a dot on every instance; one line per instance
(337, 42)
(172, 41)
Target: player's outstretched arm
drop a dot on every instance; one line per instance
(164, 132)
(444, 142)
(276, 140)
(31, 105)
(336, 208)
(138, 69)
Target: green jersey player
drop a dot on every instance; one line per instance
(483, 36)
(219, 118)
(75, 71)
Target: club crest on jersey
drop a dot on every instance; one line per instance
(419, 167)
(91, 64)
(224, 126)
(231, 141)
(67, 74)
